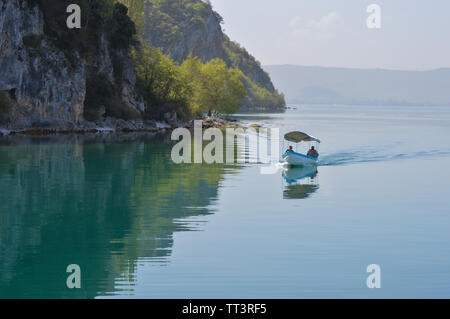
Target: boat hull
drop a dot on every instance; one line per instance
(297, 159)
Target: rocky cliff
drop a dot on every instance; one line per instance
(45, 86)
(180, 31)
(56, 79)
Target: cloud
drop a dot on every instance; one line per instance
(322, 25)
(295, 22)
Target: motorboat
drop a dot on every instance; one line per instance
(297, 159)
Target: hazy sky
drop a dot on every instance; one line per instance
(414, 34)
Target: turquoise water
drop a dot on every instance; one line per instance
(140, 226)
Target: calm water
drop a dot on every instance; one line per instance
(140, 226)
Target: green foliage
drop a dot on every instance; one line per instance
(191, 88)
(199, 11)
(165, 86)
(215, 86)
(260, 97)
(167, 22)
(167, 19)
(102, 93)
(239, 57)
(160, 82)
(5, 105)
(261, 93)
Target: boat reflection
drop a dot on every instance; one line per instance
(300, 182)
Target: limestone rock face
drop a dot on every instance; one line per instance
(46, 90)
(206, 42)
(203, 40)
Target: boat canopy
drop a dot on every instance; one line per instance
(297, 137)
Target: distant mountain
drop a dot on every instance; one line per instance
(326, 85)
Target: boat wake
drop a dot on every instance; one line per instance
(367, 156)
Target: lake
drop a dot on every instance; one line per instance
(140, 226)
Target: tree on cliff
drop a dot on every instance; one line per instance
(160, 82)
(181, 27)
(216, 87)
(191, 88)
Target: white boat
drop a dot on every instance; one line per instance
(298, 159)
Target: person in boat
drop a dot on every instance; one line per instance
(313, 153)
(290, 149)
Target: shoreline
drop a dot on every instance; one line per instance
(117, 126)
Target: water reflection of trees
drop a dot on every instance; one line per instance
(101, 204)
